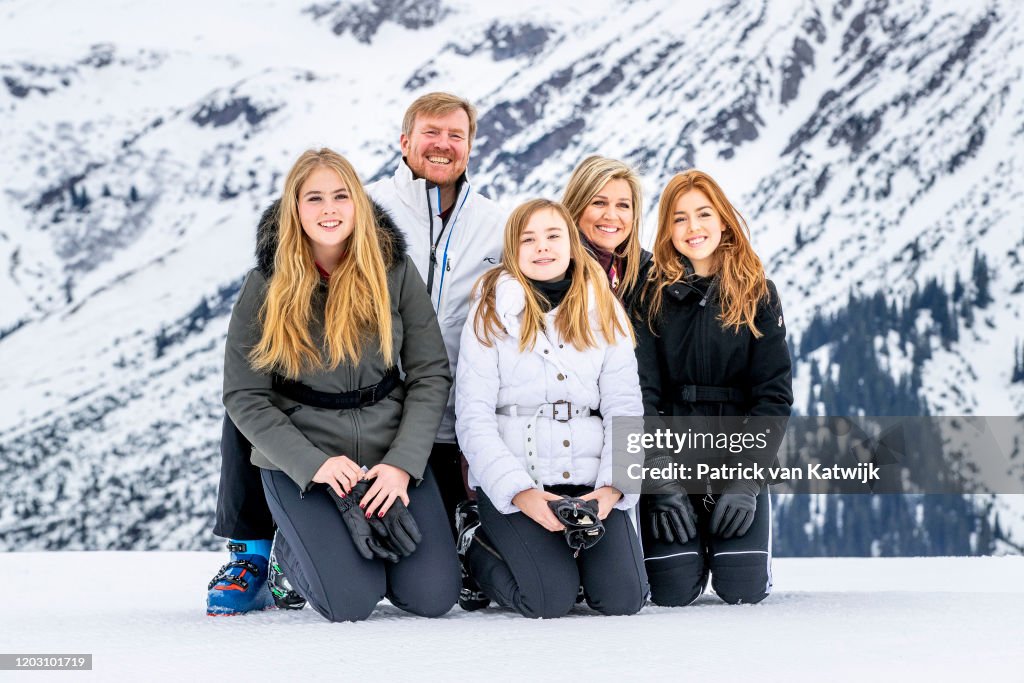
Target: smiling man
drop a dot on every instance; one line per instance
(454, 235)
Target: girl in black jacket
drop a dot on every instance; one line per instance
(712, 344)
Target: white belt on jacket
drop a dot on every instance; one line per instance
(562, 411)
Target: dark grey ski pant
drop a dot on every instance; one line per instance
(536, 574)
(740, 568)
(317, 555)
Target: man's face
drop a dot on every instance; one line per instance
(438, 148)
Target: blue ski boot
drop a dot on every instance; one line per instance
(241, 585)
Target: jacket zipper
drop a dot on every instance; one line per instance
(355, 421)
(703, 337)
(433, 248)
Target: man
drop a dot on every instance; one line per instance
(454, 234)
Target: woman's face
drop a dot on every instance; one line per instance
(608, 219)
(327, 214)
(696, 230)
(544, 250)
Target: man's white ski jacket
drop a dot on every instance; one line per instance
(449, 257)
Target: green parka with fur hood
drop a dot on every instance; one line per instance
(295, 438)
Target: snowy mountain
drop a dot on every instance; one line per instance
(871, 145)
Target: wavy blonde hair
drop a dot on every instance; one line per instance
(572, 319)
(589, 178)
(742, 283)
(358, 305)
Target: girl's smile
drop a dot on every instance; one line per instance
(697, 230)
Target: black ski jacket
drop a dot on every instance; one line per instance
(688, 349)
(630, 297)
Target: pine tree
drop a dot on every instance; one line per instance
(859, 384)
(79, 198)
(1018, 363)
(967, 313)
(980, 275)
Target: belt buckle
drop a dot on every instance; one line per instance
(689, 393)
(568, 411)
(367, 396)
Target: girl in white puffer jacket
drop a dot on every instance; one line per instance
(546, 362)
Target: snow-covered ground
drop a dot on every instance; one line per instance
(141, 616)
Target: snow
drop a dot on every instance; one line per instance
(935, 619)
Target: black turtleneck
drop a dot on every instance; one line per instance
(552, 293)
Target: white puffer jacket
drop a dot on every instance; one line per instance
(578, 451)
(468, 246)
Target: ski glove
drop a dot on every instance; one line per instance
(583, 528)
(734, 509)
(369, 538)
(671, 518)
(402, 532)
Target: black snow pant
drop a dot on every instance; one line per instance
(446, 463)
(317, 555)
(534, 571)
(242, 511)
(740, 568)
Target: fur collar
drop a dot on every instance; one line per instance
(266, 237)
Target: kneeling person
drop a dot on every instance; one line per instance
(311, 380)
(546, 347)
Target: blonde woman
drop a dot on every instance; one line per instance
(311, 380)
(604, 198)
(546, 347)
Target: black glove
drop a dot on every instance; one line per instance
(671, 518)
(402, 532)
(583, 528)
(734, 509)
(368, 537)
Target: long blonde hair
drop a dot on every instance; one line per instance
(742, 283)
(358, 304)
(592, 174)
(572, 319)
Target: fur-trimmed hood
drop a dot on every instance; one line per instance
(266, 237)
